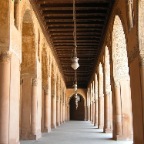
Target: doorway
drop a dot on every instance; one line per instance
(77, 114)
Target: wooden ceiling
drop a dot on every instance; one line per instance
(92, 17)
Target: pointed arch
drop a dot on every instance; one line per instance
(28, 78)
(119, 51)
(122, 97)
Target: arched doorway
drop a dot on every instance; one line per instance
(77, 114)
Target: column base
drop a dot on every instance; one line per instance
(100, 126)
(107, 130)
(47, 130)
(95, 124)
(35, 137)
(12, 142)
(53, 126)
(122, 138)
(29, 136)
(58, 124)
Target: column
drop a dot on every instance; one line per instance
(96, 112)
(46, 116)
(130, 13)
(5, 65)
(53, 122)
(49, 104)
(68, 112)
(86, 116)
(34, 109)
(101, 112)
(61, 111)
(91, 105)
(57, 111)
(96, 100)
(100, 99)
(63, 105)
(139, 137)
(59, 105)
(88, 104)
(117, 116)
(107, 122)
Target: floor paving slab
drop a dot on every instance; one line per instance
(76, 132)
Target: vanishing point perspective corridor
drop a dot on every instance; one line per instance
(72, 71)
(76, 132)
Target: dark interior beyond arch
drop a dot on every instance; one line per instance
(76, 114)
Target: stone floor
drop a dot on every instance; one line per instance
(76, 132)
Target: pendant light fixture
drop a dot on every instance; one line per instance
(74, 59)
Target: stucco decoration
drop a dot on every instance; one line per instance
(100, 88)
(4, 25)
(96, 87)
(119, 53)
(107, 70)
(28, 45)
(58, 87)
(53, 80)
(39, 45)
(44, 68)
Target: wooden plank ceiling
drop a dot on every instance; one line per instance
(91, 17)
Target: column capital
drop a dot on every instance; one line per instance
(34, 82)
(116, 84)
(46, 91)
(5, 56)
(108, 93)
(101, 95)
(130, 1)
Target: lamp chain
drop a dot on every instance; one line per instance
(74, 33)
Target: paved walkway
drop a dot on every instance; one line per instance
(76, 132)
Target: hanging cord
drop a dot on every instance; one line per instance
(74, 33)
(75, 80)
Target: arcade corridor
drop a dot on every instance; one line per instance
(66, 60)
(76, 132)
